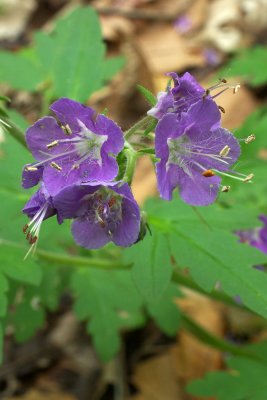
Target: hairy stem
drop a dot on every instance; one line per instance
(140, 124)
(15, 131)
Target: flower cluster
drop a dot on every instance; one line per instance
(76, 166)
(194, 150)
(76, 163)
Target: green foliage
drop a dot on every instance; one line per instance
(69, 62)
(111, 301)
(148, 95)
(211, 251)
(165, 312)
(246, 379)
(253, 160)
(152, 268)
(250, 64)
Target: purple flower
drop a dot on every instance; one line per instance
(80, 148)
(192, 152)
(38, 208)
(101, 214)
(185, 92)
(256, 237)
(183, 24)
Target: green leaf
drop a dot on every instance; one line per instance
(108, 299)
(78, 67)
(53, 283)
(1, 343)
(249, 64)
(19, 71)
(3, 298)
(18, 119)
(151, 127)
(152, 268)
(213, 255)
(246, 379)
(148, 95)
(215, 215)
(27, 314)
(12, 264)
(165, 312)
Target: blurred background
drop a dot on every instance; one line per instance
(209, 38)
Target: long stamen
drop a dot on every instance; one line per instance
(245, 178)
(51, 159)
(33, 234)
(56, 142)
(213, 156)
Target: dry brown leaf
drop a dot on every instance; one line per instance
(237, 106)
(166, 51)
(114, 27)
(192, 359)
(156, 380)
(43, 395)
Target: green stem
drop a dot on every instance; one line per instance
(79, 261)
(131, 156)
(68, 260)
(186, 281)
(140, 124)
(208, 338)
(15, 131)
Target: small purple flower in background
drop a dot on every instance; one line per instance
(212, 57)
(80, 148)
(101, 214)
(192, 152)
(38, 208)
(183, 24)
(256, 237)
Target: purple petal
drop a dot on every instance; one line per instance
(106, 126)
(128, 230)
(198, 190)
(68, 201)
(168, 127)
(213, 143)
(37, 201)
(204, 115)
(89, 234)
(42, 133)
(164, 105)
(31, 178)
(69, 112)
(167, 180)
